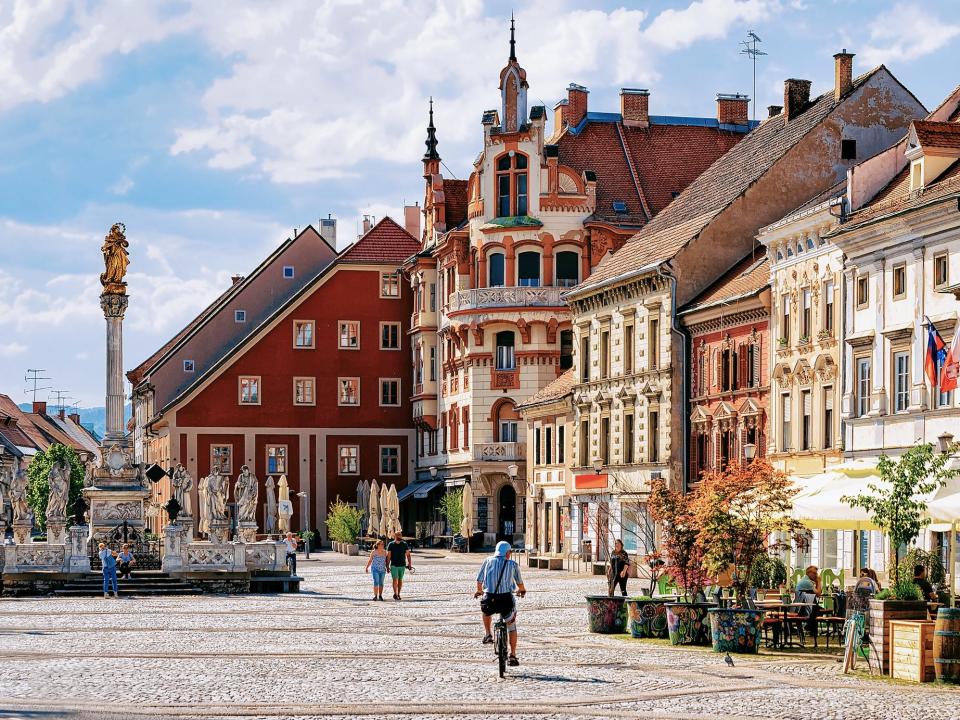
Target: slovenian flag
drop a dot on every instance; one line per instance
(936, 354)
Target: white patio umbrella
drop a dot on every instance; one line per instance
(394, 510)
(384, 529)
(466, 525)
(284, 505)
(373, 510)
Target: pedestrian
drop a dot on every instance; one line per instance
(619, 569)
(126, 559)
(400, 560)
(291, 542)
(378, 561)
(108, 560)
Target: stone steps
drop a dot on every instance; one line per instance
(142, 583)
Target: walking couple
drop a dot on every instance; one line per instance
(397, 554)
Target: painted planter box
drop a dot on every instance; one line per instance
(647, 618)
(736, 630)
(687, 623)
(607, 614)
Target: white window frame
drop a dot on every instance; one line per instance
(189, 366)
(340, 402)
(863, 385)
(399, 328)
(900, 267)
(214, 455)
(387, 280)
(297, 324)
(239, 316)
(389, 447)
(313, 390)
(284, 456)
(399, 399)
(901, 395)
(240, 384)
(289, 272)
(355, 456)
(943, 255)
(340, 335)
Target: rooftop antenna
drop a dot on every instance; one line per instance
(35, 376)
(750, 49)
(60, 396)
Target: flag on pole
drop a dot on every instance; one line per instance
(950, 369)
(936, 353)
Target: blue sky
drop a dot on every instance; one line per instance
(214, 128)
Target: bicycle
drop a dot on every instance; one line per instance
(500, 644)
(854, 631)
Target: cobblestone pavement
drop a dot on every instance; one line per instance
(329, 652)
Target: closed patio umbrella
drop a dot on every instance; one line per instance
(373, 509)
(466, 525)
(361, 500)
(284, 504)
(384, 530)
(394, 510)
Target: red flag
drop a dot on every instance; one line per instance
(935, 354)
(950, 370)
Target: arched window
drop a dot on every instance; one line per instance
(507, 419)
(505, 356)
(568, 268)
(511, 185)
(528, 269)
(495, 274)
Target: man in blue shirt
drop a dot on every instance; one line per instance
(109, 561)
(496, 580)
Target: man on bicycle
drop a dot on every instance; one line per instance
(497, 577)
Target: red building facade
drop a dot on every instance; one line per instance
(317, 391)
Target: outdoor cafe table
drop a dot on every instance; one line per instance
(783, 608)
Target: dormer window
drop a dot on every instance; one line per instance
(619, 207)
(511, 185)
(916, 175)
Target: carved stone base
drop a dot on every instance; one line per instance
(186, 523)
(78, 560)
(21, 532)
(175, 538)
(265, 556)
(34, 557)
(206, 556)
(247, 532)
(111, 506)
(219, 533)
(57, 531)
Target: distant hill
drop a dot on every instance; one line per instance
(94, 418)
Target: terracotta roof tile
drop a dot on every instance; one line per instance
(558, 389)
(746, 278)
(24, 423)
(455, 200)
(386, 242)
(714, 190)
(938, 134)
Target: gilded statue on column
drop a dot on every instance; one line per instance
(115, 259)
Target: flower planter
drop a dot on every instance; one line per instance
(881, 613)
(736, 630)
(607, 614)
(687, 623)
(351, 549)
(647, 617)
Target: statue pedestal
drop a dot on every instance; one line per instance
(219, 532)
(186, 523)
(21, 532)
(79, 559)
(247, 532)
(116, 496)
(173, 546)
(56, 531)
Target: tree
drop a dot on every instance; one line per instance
(38, 490)
(896, 504)
(451, 508)
(673, 510)
(738, 510)
(344, 522)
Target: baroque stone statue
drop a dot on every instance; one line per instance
(115, 260)
(216, 498)
(203, 491)
(59, 481)
(182, 485)
(270, 517)
(245, 492)
(18, 497)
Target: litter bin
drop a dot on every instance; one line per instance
(587, 551)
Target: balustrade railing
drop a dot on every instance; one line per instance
(500, 451)
(506, 297)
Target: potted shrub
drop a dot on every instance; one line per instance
(687, 618)
(896, 505)
(824, 335)
(738, 509)
(344, 523)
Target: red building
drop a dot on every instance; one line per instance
(729, 384)
(315, 391)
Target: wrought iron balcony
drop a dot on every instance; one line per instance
(506, 297)
(500, 451)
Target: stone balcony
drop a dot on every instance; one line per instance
(506, 297)
(500, 451)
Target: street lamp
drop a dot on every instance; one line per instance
(945, 442)
(597, 466)
(304, 520)
(749, 452)
(433, 472)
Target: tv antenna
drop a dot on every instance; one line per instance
(35, 377)
(60, 396)
(750, 49)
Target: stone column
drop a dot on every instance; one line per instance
(173, 547)
(79, 559)
(114, 307)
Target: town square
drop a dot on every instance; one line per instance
(454, 359)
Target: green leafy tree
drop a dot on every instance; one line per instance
(896, 504)
(344, 522)
(451, 509)
(38, 489)
(936, 572)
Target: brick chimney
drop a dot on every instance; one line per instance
(62, 414)
(75, 417)
(234, 279)
(733, 109)
(635, 107)
(367, 224)
(796, 95)
(577, 99)
(842, 74)
(774, 110)
(411, 219)
(560, 115)
(39, 407)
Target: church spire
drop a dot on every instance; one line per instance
(513, 42)
(431, 141)
(513, 88)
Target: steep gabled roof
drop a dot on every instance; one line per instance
(385, 243)
(745, 279)
(938, 134)
(715, 190)
(556, 390)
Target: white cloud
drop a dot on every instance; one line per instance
(10, 349)
(704, 20)
(122, 186)
(907, 32)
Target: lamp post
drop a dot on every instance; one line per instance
(597, 465)
(749, 452)
(304, 520)
(433, 472)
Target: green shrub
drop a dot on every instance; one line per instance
(936, 572)
(451, 509)
(778, 572)
(344, 522)
(906, 589)
(884, 594)
(760, 573)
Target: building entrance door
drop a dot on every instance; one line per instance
(507, 517)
